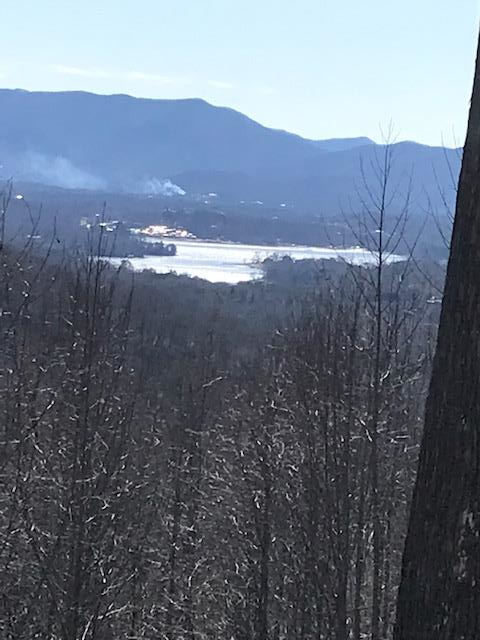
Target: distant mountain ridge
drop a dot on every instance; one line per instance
(342, 144)
(117, 142)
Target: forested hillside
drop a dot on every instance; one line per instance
(184, 460)
(118, 143)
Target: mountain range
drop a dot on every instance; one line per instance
(189, 147)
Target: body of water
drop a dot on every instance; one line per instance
(233, 263)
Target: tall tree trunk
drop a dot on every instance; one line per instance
(439, 595)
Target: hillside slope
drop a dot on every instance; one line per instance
(82, 140)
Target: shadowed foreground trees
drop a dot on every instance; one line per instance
(178, 476)
(440, 589)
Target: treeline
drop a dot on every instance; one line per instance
(214, 220)
(182, 461)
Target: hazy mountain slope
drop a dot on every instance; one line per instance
(425, 175)
(114, 136)
(342, 144)
(82, 140)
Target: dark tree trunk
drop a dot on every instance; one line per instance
(439, 596)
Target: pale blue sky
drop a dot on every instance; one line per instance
(320, 68)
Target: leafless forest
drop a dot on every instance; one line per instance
(182, 461)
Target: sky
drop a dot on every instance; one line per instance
(319, 68)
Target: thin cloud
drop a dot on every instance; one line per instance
(153, 77)
(143, 76)
(219, 84)
(79, 71)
